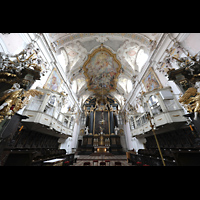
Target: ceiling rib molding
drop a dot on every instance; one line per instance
(71, 37)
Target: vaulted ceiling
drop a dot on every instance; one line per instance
(129, 51)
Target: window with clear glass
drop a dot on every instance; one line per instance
(52, 100)
(58, 109)
(138, 122)
(49, 110)
(141, 58)
(36, 103)
(132, 125)
(71, 124)
(119, 119)
(154, 105)
(83, 119)
(66, 120)
(60, 118)
(171, 105)
(146, 107)
(144, 119)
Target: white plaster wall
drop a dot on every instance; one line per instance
(75, 135)
(128, 136)
(66, 144)
(138, 143)
(13, 47)
(192, 43)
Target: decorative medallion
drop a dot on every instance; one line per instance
(101, 71)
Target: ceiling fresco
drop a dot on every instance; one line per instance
(112, 68)
(101, 70)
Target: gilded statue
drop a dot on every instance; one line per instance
(10, 98)
(189, 92)
(191, 98)
(15, 99)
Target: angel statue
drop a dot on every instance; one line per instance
(192, 99)
(15, 99)
(116, 129)
(86, 130)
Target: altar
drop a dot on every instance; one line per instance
(101, 129)
(104, 143)
(101, 140)
(101, 149)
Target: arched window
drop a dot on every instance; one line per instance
(126, 84)
(63, 59)
(141, 59)
(132, 124)
(74, 86)
(154, 105)
(71, 124)
(130, 55)
(129, 86)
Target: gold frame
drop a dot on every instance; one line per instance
(50, 76)
(108, 122)
(101, 48)
(157, 79)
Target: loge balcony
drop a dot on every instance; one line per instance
(166, 112)
(45, 115)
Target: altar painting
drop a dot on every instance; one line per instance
(150, 81)
(98, 127)
(54, 81)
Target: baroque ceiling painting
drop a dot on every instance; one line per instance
(102, 70)
(102, 64)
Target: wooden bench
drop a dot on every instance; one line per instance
(86, 164)
(118, 163)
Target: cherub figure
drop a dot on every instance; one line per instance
(116, 130)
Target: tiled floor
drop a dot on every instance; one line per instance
(116, 158)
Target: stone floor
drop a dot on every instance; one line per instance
(115, 158)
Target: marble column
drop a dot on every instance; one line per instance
(87, 121)
(111, 123)
(91, 122)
